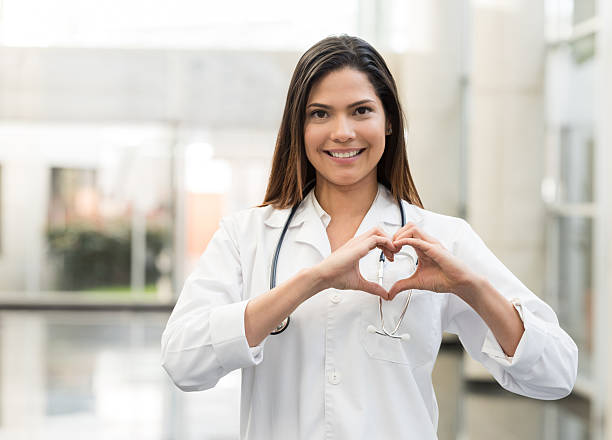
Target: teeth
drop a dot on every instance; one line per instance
(351, 154)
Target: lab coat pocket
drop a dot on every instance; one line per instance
(418, 328)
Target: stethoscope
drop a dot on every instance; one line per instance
(371, 328)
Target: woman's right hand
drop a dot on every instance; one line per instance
(341, 269)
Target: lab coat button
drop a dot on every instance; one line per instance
(334, 377)
(336, 298)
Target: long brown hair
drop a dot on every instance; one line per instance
(291, 170)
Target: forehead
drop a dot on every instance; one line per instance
(342, 87)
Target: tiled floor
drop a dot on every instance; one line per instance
(96, 375)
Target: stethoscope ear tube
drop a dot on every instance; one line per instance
(283, 325)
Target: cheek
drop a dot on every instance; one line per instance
(375, 133)
(313, 138)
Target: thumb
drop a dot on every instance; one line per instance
(374, 288)
(400, 286)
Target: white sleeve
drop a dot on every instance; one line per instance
(205, 338)
(545, 363)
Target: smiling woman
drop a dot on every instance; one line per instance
(342, 203)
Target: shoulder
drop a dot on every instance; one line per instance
(436, 220)
(455, 233)
(446, 228)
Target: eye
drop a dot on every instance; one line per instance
(317, 112)
(363, 108)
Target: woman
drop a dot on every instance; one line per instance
(334, 369)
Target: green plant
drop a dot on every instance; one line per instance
(87, 256)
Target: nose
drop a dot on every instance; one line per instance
(342, 130)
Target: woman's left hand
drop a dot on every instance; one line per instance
(437, 270)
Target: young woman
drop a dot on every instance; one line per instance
(332, 296)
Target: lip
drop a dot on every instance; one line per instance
(344, 159)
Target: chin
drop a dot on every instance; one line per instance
(344, 180)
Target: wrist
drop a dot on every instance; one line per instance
(316, 279)
(471, 289)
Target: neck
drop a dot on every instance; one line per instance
(346, 201)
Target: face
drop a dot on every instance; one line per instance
(344, 130)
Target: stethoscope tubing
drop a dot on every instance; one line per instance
(283, 325)
(281, 328)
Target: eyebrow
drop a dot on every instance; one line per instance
(363, 101)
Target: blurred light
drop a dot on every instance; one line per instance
(203, 174)
(559, 15)
(410, 25)
(504, 5)
(177, 24)
(549, 190)
(199, 151)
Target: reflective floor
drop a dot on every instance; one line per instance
(97, 375)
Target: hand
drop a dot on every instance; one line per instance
(438, 270)
(341, 269)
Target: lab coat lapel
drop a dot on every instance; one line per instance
(312, 231)
(385, 213)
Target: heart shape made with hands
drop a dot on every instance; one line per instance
(403, 266)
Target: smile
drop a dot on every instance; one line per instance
(345, 153)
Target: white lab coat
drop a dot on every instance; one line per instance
(326, 376)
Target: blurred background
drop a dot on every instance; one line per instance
(128, 128)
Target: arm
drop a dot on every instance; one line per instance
(533, 357)
(213, 330)
(340, 270)
(489, 308)
(201, 342)
(266, 311)
(496, 311)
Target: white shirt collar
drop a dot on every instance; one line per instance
(323, 215)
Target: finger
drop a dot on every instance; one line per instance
(412, 231)
(401, 285)
(381, 242)
(375, 231)
(408, 232)
(416, 243)
(374, 288)
(389, 253)
(404, 228)
(386, 252)
(362, 248)
(425, 236)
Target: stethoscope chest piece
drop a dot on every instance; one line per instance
(281, 327)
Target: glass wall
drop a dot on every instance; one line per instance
(97, 214)
(568, 189)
